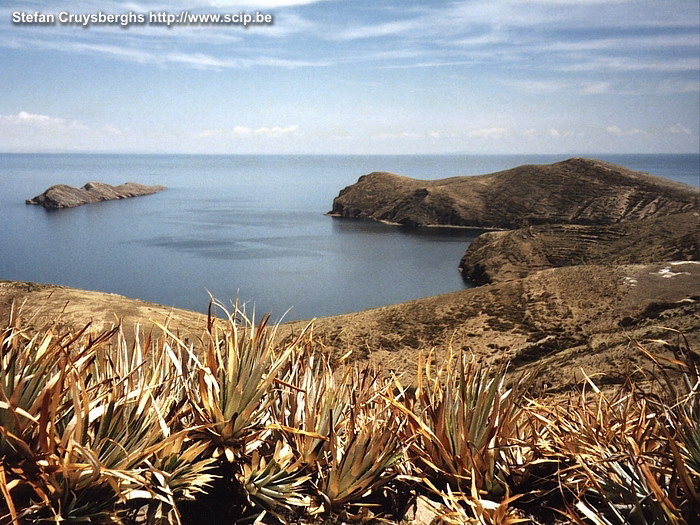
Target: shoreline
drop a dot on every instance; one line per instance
(416, 227)
(557, 321)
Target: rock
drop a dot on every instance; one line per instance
(426, 512)
(575, 191)
(62, 196)
(499, 256)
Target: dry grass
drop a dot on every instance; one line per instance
(235, 427)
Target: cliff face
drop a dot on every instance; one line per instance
(575, 191)
(505, 255)
(62, 196)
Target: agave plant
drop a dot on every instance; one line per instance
(472, 508)
(31, 379)
(466, 420)
(275, 483)
(86, 429)
(180, 472)
(95, 430)
(619, 462)
(679, 403)
(364, 447)
(230, 397)
(35, 376)
(684, 441)
(311, 405)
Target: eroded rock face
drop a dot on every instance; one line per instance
(575, 191)
(62, 196)
(505, 255)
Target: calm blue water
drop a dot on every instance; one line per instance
(250, 227)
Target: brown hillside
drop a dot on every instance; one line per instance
(562, 321)
(498, 256)
(575, 191)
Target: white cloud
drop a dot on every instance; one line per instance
(37, 121)
(143, 56)
(649, 42)
(174, 5)
(626, 64)
(679, 129)
(398, 135)
(379, 30)
(604, 87)
(27, 131)
(575, 2)
(33, 119)
(552, 86)
(114, 131)
(596, 88)
(246, 132)
(555, 133)
(617, 131)
(491, 133)
(250, 4)
(542, 86)
(678, 86)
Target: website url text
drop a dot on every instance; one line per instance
(125, 20)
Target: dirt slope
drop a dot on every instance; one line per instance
(562, 321)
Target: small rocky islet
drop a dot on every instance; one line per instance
(62, 196)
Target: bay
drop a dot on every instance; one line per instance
(244, 226)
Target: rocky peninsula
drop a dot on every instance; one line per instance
(594, 256)
(63, 196)
(575, 191)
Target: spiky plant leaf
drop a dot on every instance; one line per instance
(275, 483)
(233, 382)
(466, 420)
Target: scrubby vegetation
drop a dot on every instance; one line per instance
(239, 426)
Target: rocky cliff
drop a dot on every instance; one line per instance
(62, 196)
(504, 255)
(575, 191)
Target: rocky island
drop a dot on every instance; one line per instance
(63, 196)
(575, 191)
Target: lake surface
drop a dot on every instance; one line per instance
(251, 227)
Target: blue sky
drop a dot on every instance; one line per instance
(357, 76)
